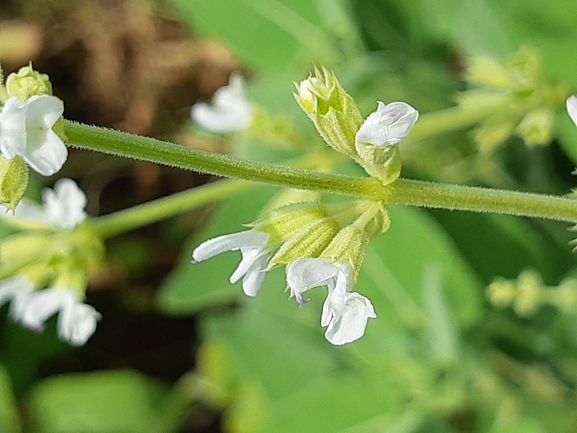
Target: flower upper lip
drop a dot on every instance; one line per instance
(26, 130)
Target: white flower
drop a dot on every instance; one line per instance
(572, 108)
(26, 130)
(230, 110)
(18, 290)
(252, 244)
(388, 125)
(76, 320)
(345, 313)
(63, 207)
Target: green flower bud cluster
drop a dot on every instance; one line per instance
(52, 258)
(332, 110)
(370, 142)
(27, 83)
(313, 229)
(528, 293)
(516, 97)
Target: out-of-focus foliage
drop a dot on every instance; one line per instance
(439, 357)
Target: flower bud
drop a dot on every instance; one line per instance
(27, 82)
(537, 126)
(309, 241)
(376, 139)
(333, 112)
(13, 181)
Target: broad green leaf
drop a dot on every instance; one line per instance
(100, 402)
(502, 245)
(267, 34)
(351, 403)
(9, 419)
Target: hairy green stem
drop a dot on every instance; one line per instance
(455, 197)
(166, 207)
(162, 152)
(403, 191)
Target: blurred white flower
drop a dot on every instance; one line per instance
(76, 320)
(26, 130)
(63, 207)
(18, 290)
(230, 110)
(572, 108)
(255, 254)
(388, 125)
(345, 313)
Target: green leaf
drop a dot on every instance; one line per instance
(342, 402)
(9, 419)
(267, 34)
(101, 402)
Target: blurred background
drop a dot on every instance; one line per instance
(179, 349)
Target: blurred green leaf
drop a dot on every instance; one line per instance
(100, 402)
(9, 419)
(268, 35)
(341, 403)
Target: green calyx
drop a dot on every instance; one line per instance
(13, 181)
(332, 110)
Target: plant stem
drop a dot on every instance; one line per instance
(162, 152)
(455, 197)
(166, 207)
(403, 191)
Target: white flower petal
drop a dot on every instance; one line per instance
(305, 273)
(230, 242)
(349, 319)
(388, 125)
(26, 130)
(254, 277)
(572, 108)
(63, 208)
(345, 314)
(43, 304)
(12, 128)
(77, 322)
(252, 245)
(18, 290)
(64, 205)
(230, 110)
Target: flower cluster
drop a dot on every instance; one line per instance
(515, 97)
(319, 247)
(27, 118)
(323, 245)
(372, 142)
(44, 270)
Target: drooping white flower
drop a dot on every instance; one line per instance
(572, 108)
(345, 313)
(388, 125)
(18, 290)
(230, 110)
(255, 254)
(63, 207)
(26, 130)
(76, 320)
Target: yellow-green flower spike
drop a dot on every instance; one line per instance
(332, 110)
